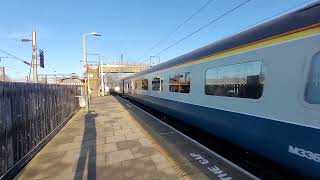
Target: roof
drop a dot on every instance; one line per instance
(304, 17)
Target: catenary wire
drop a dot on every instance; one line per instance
(176, 29)
(15, 57)
(264, 20)
(203, 27)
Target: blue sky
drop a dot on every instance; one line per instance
(128, 27)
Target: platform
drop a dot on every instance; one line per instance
(106, 143)
(117, 140)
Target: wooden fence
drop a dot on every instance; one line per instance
(30, 115)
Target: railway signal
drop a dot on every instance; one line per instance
(41, 58)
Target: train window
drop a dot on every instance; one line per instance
(312, 93)
(144, 84)
(157, 84)
(180, 83)
(243, 80)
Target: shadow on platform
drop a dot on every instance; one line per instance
(87, 155)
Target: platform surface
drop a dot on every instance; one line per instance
(106, 143)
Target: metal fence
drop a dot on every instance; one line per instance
(29, 114)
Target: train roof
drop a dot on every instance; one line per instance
(308, 16)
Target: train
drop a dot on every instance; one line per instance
(258, 89)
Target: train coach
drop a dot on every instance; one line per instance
(258, 89)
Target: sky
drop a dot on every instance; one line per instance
(128, 27)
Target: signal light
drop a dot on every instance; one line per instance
(41, 58)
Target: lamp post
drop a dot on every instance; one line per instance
(86, 65)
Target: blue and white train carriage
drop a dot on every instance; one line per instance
(259, 89)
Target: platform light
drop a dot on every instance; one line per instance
(95, 34)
